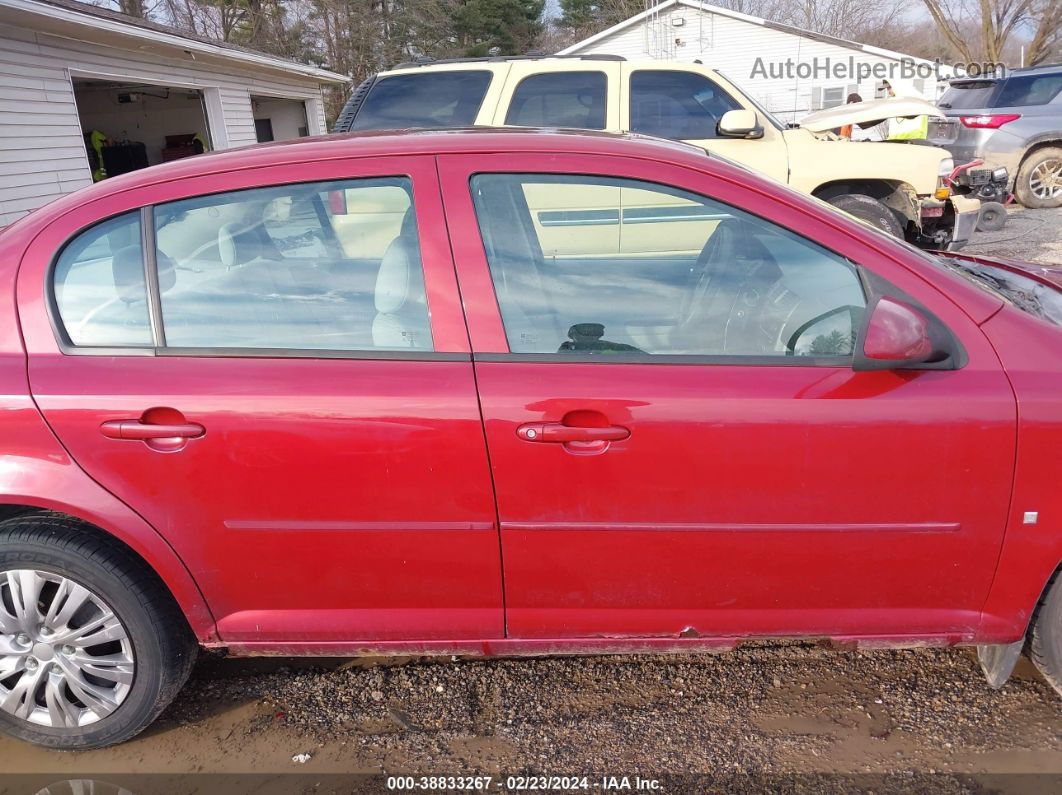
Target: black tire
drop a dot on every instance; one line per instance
(1045, 645)
(992, 217)
(867, 208)
(1023, 187)
(163, 646)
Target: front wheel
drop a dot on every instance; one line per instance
(1045, 645)
(868, 209)
(1039, 180)
(92, 647)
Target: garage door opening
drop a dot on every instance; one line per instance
(128, 126)
(277, 119)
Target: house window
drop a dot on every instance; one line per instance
(832, 97)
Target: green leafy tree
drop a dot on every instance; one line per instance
(583, 18)
(497, 27)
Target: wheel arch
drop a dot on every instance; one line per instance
(102, 514)
(1053, 140)
(897, 195)
(1040, 142)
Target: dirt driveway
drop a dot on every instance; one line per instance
(785, 717)
(1034, 235)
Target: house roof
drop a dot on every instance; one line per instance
(726, 12)
(71, 19)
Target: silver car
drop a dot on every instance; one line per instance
(1015, 122)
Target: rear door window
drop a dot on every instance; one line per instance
(1029, 90)
(424, 99)
(679, 105)
(322, 266)
(560, 99)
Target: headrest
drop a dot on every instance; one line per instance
(395, 279)
(227, 244)
(167, 270)
(409, 223)
(127, 267)
(735, 239)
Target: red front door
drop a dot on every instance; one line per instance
(326, 476)
(663, 465)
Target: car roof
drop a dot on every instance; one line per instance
(1046, 68)
(380, 143)
(543, 63)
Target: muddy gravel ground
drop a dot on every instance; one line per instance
(779, 717)
(1034, 235)
(767, 717)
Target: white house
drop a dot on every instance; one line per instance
(789, 70)
(155, 93)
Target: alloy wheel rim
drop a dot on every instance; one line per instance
(66, 659)
(1045, 181)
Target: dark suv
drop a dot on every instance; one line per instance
(1014, 121)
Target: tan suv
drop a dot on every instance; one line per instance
(898, 187)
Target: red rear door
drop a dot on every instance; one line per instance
(664, 464)
(284, 413)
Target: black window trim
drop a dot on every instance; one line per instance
(536, 75)
(151, 275)
(146, 218)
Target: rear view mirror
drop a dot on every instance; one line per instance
(896, 335)
(739, 124)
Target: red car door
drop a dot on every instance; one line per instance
(274, 398)
(680, 445)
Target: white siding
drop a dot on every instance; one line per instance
(42, 154)
(732, 46)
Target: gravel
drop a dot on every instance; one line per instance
(765, 708)
(1029, 234)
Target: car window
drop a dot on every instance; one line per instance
(99, 286)
(331, 265)
(677, 105)
(560, 99)
(968, 95)
(1029, 90)
(589, 265)
(425, 99)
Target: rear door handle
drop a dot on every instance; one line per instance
(559, 433)
(135, 429)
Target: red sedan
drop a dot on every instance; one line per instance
(502, 392)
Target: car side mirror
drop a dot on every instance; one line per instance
(739, 124)
(896, 335)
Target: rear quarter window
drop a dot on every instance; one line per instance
(560, 99)
(425, 100)
(965, 96)
(99, 286)
(1029, 90)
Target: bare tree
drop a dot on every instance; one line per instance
(1000, 22)
(1046, 42)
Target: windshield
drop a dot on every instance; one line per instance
(965, 96)
(1024, 292)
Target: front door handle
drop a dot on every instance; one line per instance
(559, 433)
(144, 431)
